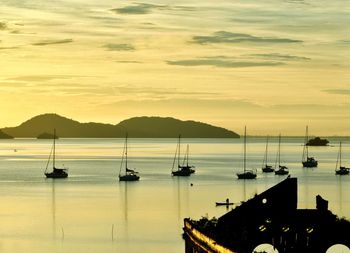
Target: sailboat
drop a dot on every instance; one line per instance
(308, 162)
(342, 170)
(185, 165)
(56, 172)
(266, 168)
(281, 170)
(246, 174)
(129, 174)
(183, 170)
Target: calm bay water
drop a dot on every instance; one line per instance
(92, 211)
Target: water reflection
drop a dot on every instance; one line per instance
(125, 207)
(182, 197)
(53, 209)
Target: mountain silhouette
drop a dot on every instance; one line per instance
(138, 127)
(4, 135)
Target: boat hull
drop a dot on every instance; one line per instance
(281, 172)
(185, 168)
(267, 169)
(310, 164)
(223, 204)
(181, 173)
(246, 175)
(342, 171)
(129, 178)
(56, 175)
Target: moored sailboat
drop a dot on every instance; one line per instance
(56, 172)
(266, 168)
(247, 173)
(281, 169)
(129, 174)
(308, 162)
(341, 170)
(183, 170)
(185, 164)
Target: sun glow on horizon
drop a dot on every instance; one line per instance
(274, 67)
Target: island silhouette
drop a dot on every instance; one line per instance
(317, 141)
(5, 136)
(137, 127)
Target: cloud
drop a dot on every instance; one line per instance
(128, 61)
(228, 37)
(119, 47)
(3, 26)
(222, 62)
(151, 92)
(338, 91)
(5, 48)
(140, 8)
(281, 57)
(297, 2)
(40, 78)
(145, 8)
(52, 42)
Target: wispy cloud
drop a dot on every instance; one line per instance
(39, 78)
(229, 37)
(52, 42)
(119, 47)
(140, 8)
(281, 57)
(338, 91)
(297, 2)
(146, 8)
(128, 61)
(222, 62)
(5, 48)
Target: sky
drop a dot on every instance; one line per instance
(274, 66)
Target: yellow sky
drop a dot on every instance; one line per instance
(274, 66)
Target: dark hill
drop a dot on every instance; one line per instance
(66, 128)
(140, 127)
(157, 127)
(4, 135)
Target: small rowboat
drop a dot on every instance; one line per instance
(224, 203)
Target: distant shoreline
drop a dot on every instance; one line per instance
(248, 136)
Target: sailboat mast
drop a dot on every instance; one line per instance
(178, 154)
(187, 151)
(306, 141)
(279, 150)
(267, 144)
(340, 155)
(126, 151)
(245, 148)
(54, 147)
